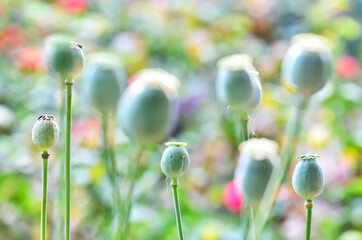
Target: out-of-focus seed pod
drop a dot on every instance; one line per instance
(45, 132)
(64, 56)
(145, 113)
(106, 80)
(308, 178)
(238, 83)
(169, 83)
(308, 63)
(259, 158)
(175, 160)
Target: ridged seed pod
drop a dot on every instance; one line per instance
(45, 132)
(175, 160)
(259, 158)
(238, 83)
(308, 178)
(308, 63)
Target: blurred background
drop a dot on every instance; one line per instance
(185, 38)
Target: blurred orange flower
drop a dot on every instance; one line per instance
(74, 6)
(29, 58)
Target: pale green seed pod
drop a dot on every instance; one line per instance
(64, 56)
(45, 132)
(106, 81)
(259, 158)
(308, 177)
(238, 84)
(175, 160)
(308, 63)
(145, 113)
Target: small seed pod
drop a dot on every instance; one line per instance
(145, 113)
(106, 82)
(64, 56)
(259, 158)
(45, 132)
(308, 178)
(307, 65)
(175, 160)
(238, 83)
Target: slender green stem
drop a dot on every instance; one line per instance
(308, 205)
(43, 219)
(112, 172)
(287, 152)
(244, 127)
(128, 202)
(245, 222)
(69, 85)
(174, 185)
(253, 227)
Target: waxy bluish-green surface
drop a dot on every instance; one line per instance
(308, 179)
(106, 84)
(65, 58)
(255, 177)
(45, 132)
(145, 114)
(175, 161)
(238, 84)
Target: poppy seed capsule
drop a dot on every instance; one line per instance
(106, 84)
(175, 160)
(259, 158)
(145, 113)
(64, 57)
(238, 83)
(307, 65)
(45, 132)
(308, 178)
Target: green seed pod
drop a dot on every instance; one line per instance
(175, 160)
(308, 178)
(238, 83)
(106, 82)
(64, 56)
(145, 113)
(307, 64)
(259, 158)
(45, 132)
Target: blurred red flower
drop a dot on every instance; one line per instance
(232, 198)
(10, 37)
(74, 6)
(29, 58)
(347, 67)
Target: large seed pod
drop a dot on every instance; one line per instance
(64, 56)
(169, 83)
(175, 160)
(145, 113)
(307, 64)
(106, 82)
(308, 178)
(258, 159)
(238, 83)
(45, 132)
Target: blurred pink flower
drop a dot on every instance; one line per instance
(347, 67)
(232, 198)
(29, 58)
(74, 6)
(86, 132)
